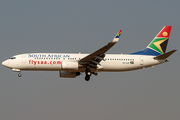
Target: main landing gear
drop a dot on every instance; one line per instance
(88, 74)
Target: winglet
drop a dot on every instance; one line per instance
(116, 38)
(118, 34)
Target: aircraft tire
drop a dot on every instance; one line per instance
(19, 75)
(87, 78)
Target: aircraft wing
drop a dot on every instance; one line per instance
(93, 59)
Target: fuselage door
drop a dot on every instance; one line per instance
(23, 58)
(141, 60)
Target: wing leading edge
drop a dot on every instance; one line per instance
(93, 59)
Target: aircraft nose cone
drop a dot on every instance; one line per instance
(5, 63)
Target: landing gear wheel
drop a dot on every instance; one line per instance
(88, 74)
(19, 75)
(87, 78)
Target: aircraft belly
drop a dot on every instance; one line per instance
(45, 67)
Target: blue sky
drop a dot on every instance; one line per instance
(85, 26)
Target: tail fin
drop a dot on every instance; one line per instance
(158, 44)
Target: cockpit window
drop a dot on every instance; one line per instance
(13, 58)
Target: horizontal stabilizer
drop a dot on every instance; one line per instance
(165, 55)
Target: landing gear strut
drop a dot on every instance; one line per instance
(19, 74)
(88, 74)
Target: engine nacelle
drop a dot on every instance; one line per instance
(66, 74)
(69, 65)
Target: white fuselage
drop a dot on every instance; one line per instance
(71, 65)
(55, 61)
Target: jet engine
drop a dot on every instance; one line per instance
(66, 74)
(69, 65)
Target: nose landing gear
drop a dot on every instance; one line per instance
(19, 74)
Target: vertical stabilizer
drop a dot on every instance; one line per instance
(158, 44)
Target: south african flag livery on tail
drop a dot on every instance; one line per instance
(158, 44)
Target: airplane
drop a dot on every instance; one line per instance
(71, 65)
